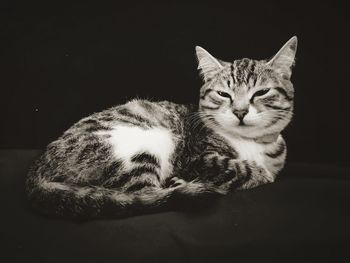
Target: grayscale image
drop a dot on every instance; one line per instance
(174, 131)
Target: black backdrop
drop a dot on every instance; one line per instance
(60, 62)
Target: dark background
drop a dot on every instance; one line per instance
(62, 61)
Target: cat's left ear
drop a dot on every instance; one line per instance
(283, 61)
(207, 64)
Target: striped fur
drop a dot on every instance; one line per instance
(142, 154)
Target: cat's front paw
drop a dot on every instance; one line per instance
(258, 176)
(176, 182)
(230, 177)
(269, 178)
(237, 169)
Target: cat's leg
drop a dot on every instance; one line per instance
(222, 170)
(210, 172)
(254, 174)
(195, 187)
(227, 173)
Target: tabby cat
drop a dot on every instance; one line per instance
(140, 154)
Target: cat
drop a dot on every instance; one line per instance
(138, 155)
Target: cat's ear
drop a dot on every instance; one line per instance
(283, 61)
(207, 64)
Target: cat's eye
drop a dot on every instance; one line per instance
(260, 93)
(224, 94)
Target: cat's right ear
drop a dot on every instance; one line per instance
(283, 61)
(207, 64)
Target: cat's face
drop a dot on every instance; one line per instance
(248, 98)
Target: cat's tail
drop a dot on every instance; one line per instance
(61, 199)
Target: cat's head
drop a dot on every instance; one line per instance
(249, 98)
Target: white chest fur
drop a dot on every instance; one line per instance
(247, 149)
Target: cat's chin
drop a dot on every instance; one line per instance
(240, 130)
(247, 131)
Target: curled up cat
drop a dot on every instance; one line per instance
(138, 155)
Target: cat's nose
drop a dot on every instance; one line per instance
(240, 113)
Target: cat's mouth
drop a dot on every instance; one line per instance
(244, 124)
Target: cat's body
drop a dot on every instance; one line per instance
(140, 154)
